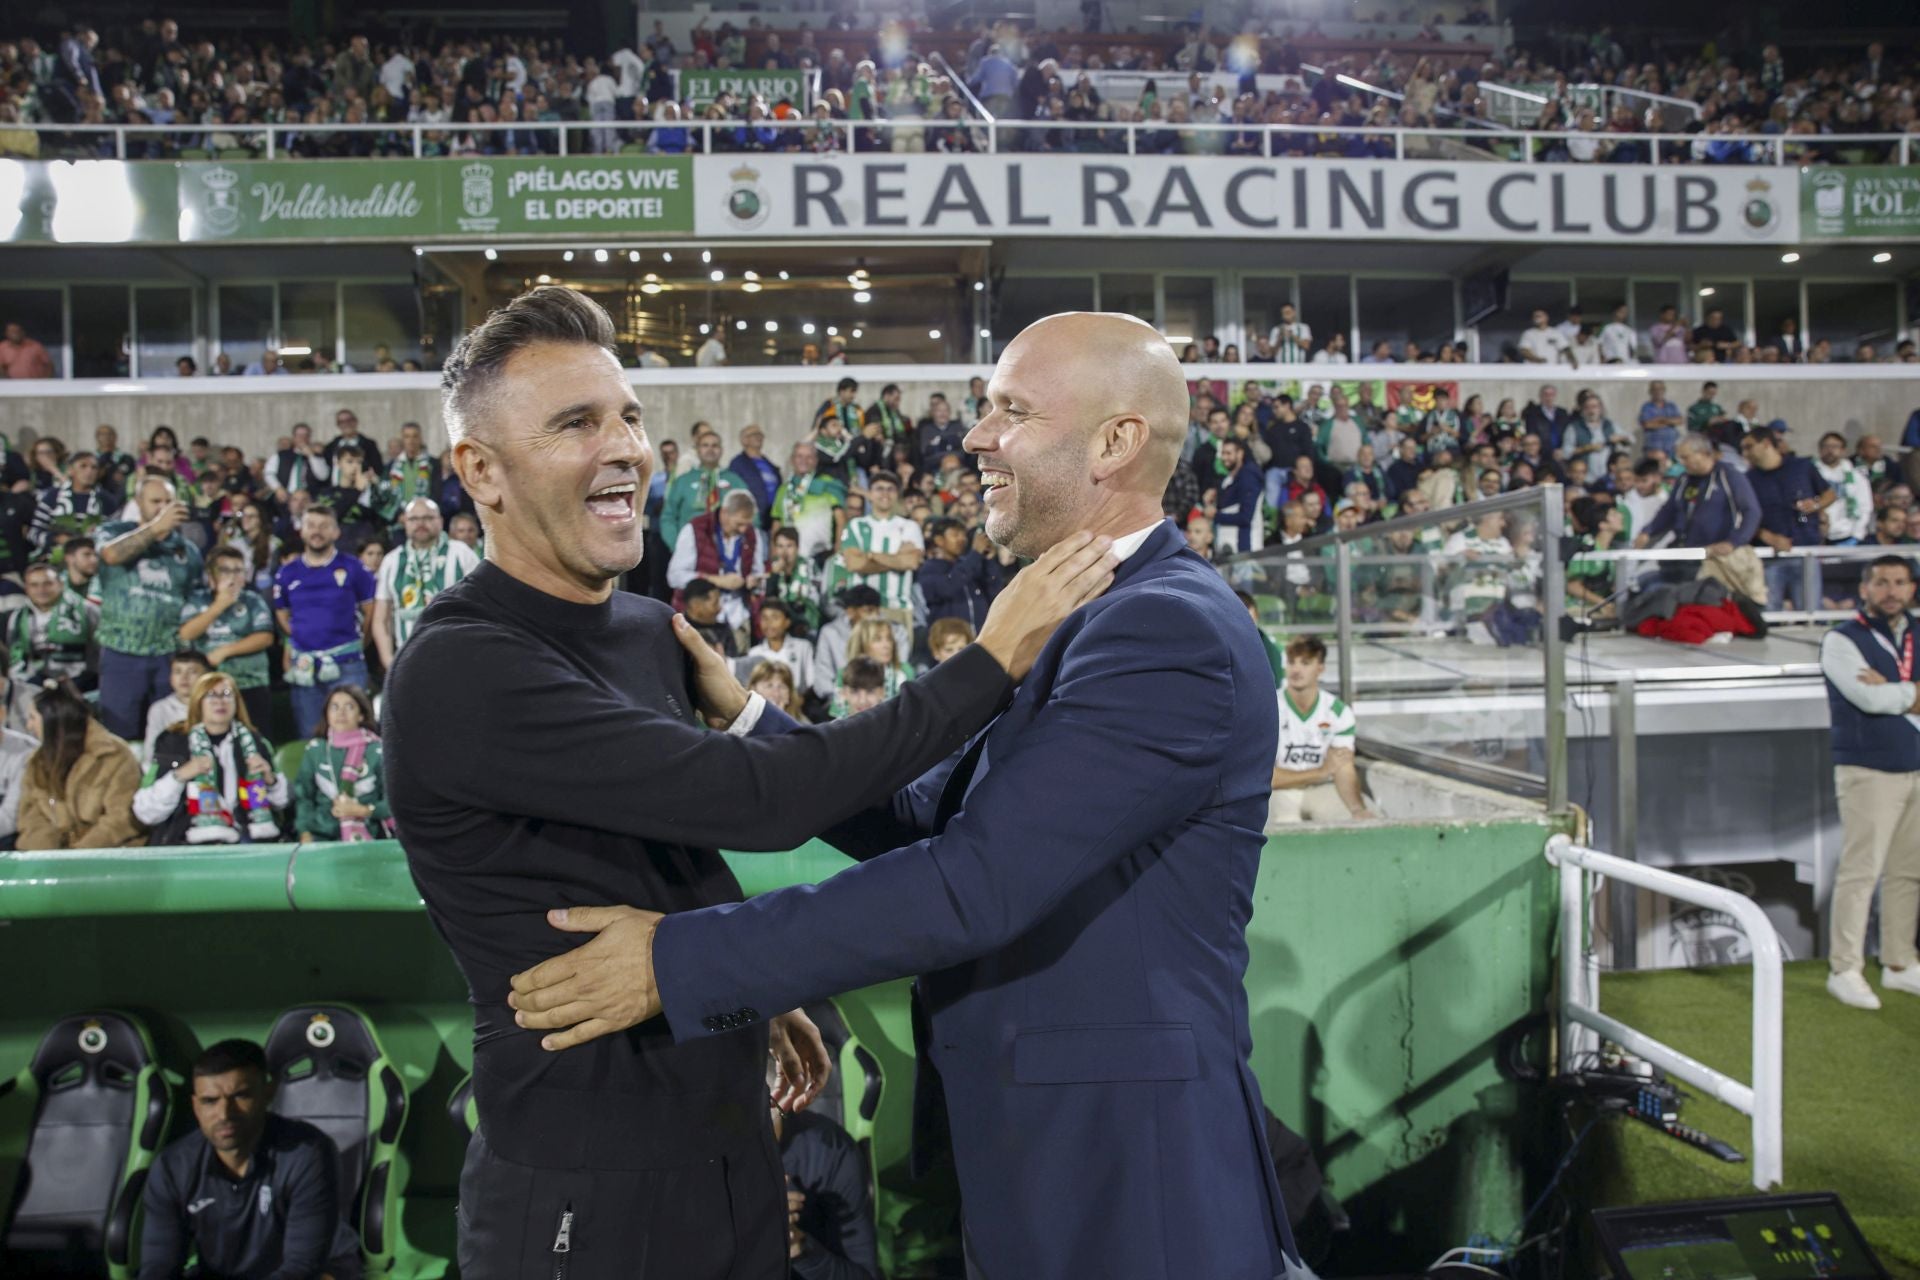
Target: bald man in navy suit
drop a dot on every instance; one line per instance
(1073, 889)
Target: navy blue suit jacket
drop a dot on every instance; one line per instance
(1075, 892)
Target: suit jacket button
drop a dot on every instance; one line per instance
(746, 1016)
(710, 1022)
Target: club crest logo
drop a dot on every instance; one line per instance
(339, 577)
(747, 203)
(222, 206)
(1829, 201)
(93, 1038)
(1759, 213)
(320, 1031)
(476, 189)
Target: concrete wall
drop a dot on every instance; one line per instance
(253, 412)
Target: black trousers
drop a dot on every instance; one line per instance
(724, 1219)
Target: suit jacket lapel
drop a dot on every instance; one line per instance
(1164, 541)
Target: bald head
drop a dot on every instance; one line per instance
(1088, 413)
(1115, 366)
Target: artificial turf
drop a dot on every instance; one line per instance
(1852, 1107)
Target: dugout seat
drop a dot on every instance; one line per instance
(462, 1111)
(861, 1084)
(331, 1071)
(100, 1115)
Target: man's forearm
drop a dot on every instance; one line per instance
(1293, 779)
(132, 545)
(1346, 781)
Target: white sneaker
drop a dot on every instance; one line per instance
(1851, 988)
(1907, 979)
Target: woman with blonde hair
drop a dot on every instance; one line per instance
(78, 785)
(774, 682)
(212, 779)
(873, 638)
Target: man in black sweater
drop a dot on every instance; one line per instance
(541, 743)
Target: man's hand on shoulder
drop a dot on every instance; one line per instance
(607, 985)
(717, 693)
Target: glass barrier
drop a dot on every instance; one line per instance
(1440, 632)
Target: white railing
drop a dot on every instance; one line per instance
(1130, 137)
(1580, 1015)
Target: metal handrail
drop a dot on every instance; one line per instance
(1772, 149)
(1580, 994)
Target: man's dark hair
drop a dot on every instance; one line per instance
(1588, 513)
(375, 541)
(940, 527)
(1246, 599)
(73, 544)
(323, 509)
(860, 596)
(848, 384)
(225, 551)
(1891, 562)
(1767, 436)
(1647, 467)
(884, 477)
(201, 442)
(193, 656)
(229, 1055)
(350, 449)
(865, 675)
(1306, 649)
(787, 533)
(1834, 435)
(889, 389)
(778, 606)
(700, 589)
(550, 313)
(1709, 386)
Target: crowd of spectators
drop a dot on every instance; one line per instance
(1575, 341)
(1265, 468)
(473, 92)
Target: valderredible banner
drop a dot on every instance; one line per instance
(1055, 194)
(109, 202)
(309, 199)
(1873, 202)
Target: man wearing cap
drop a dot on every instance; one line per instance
(756, 471)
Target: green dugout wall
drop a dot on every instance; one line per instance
(1392, 965)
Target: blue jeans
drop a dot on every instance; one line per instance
(310, 703)
(129, 684)
(1663, 439)
(1785, 578)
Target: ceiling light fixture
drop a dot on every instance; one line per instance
(705, 328)
(633, 255)
(783, 275)
(716, 275)
(1707, 292)
(751, 286)
(773, 326)
(807, 328)
(567, 256)
(544, 278)
(493, 255)
(856, 333)
(934, 334)
(1883, 257)
(599, 255)
(666, 257)
(979, 286)
(832, 332)
(739, 324)
(706, 255)
(863, 296)
(1789, 257)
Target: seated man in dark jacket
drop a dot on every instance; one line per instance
(256, 1195)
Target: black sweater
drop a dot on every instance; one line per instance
(542, 753)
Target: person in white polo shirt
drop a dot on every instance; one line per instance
(882, 549)
(1314, 777)
(1542, 343)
